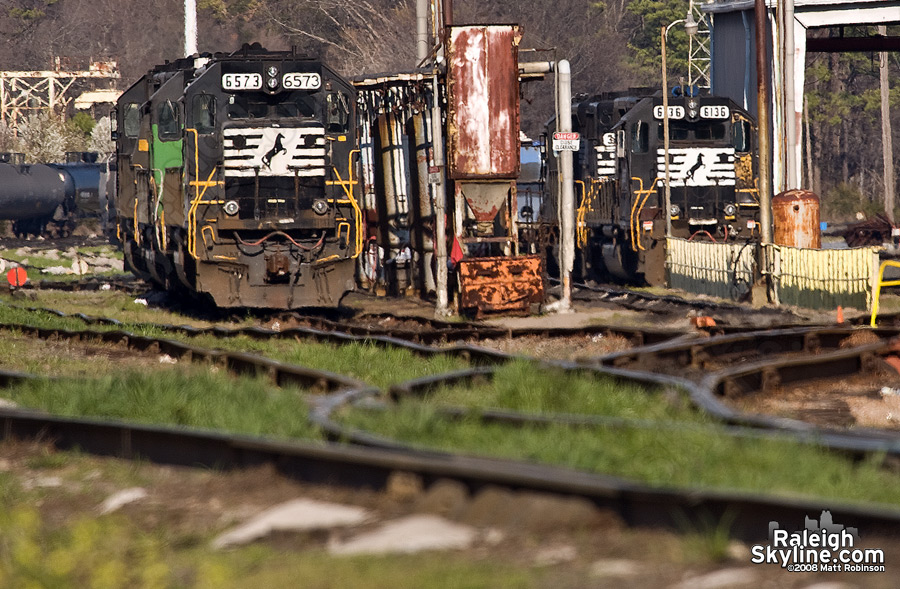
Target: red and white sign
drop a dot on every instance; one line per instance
(566, 141)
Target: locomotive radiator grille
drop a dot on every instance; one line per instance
(274, 151)
(697, 166)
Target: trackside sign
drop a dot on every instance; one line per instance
(566, 141)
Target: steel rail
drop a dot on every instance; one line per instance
(860, 441)
(638, 504)
(699, 354)
(335, 464)
(415, 341)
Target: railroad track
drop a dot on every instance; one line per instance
(372, 460)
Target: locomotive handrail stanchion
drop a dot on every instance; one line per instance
(162, 228)
(631, 222)
(580, 230)
(879, 283)
(637, 217)
(137, 233)
(348, 190)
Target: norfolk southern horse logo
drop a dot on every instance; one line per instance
(694, 168)
(276, 149)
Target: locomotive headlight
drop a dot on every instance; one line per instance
(231, 208)
(693, 108)
(272, 83)
(272, 71)
(730, 210)
(675, 211)
(319, 206)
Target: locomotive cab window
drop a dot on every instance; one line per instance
(678, 131)
(707, 132)
(167, 121)
(132, 120)
(298, 104)
(204, 113)
(741, 136)
(337, 113)
(640, 137)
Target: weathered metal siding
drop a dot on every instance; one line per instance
(724, 270)
(729, 67)
(483, 91)
(500, 284)
(823, 279)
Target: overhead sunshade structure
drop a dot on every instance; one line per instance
(733, 68)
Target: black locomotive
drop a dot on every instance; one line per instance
(237, 178)
(620, 177)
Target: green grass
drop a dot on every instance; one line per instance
(659, 457)
(361, 360)
(524, 386)
(111, 552)
(190, 397)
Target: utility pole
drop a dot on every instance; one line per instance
(887, 144)
(790, 109)
(762, 100)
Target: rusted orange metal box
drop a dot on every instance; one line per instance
(483, 110)
(500, 284)
(796, 217)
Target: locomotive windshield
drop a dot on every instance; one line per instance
(259, 105)
(684, 131)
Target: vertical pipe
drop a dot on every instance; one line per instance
(421, 31)
(448, 13)
(567, 188)
(762, 103)
(790, 109)
(190, 27)
(887, 144)
(665, 96)
(747, 56)
(440, 201)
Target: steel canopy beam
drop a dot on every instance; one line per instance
(852, 44)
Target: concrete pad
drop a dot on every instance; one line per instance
(721, 579)
(122, 498)
(407, 535)
(297, 515)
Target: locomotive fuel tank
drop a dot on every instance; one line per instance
(30, 191)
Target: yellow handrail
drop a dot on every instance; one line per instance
(879, 283)
(348, 190)
(636, 210)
